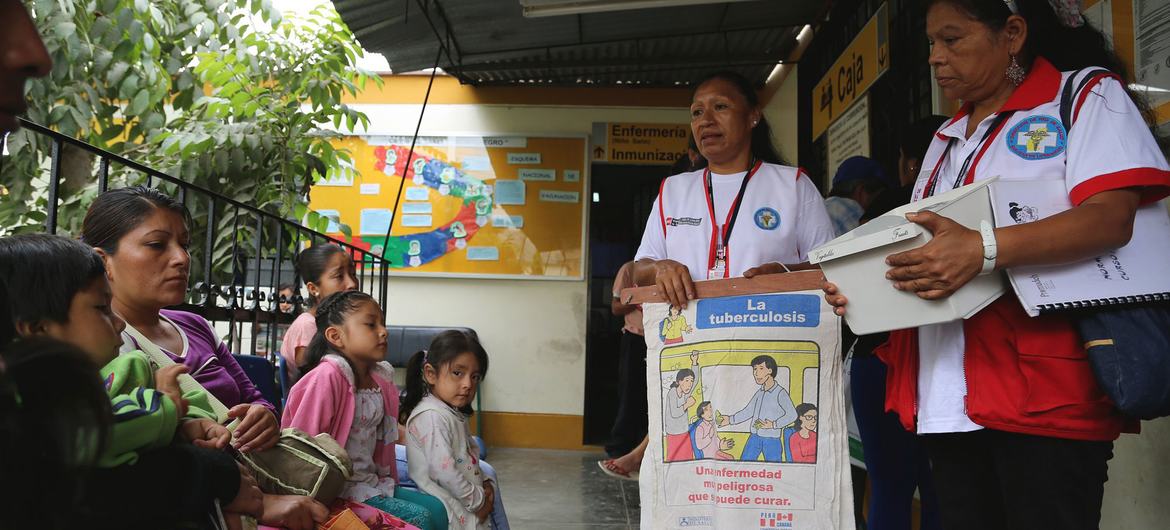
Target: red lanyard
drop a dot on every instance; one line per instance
(732, 214)
(966, 174)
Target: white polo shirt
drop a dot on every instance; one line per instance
(781, 218)
(1110, 147)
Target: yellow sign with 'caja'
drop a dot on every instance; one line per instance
(862, 63)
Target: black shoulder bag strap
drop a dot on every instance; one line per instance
(1069, 92)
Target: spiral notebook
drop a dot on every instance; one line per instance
(1136, 273)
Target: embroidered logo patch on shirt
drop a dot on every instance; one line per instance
(767, 218)
(1037, 138)
(683, 221)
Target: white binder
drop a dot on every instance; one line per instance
(1137, 272)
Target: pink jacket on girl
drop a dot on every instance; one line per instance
(324, 401)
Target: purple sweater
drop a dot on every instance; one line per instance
(209, 361)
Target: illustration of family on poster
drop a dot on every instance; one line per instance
(777, 429)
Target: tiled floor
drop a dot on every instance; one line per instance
(562, 490)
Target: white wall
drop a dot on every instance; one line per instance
(533, 330)
(781, 112)
(1139, 478)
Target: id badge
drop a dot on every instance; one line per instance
(718, 271)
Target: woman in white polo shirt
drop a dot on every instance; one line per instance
(743, 215)
(1018, 431)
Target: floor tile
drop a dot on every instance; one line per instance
(553, 490)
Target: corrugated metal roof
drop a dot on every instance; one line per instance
(490, 42)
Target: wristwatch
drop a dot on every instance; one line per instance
(989, 248)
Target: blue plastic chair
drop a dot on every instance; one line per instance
(263, 375)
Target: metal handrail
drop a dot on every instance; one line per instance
(241, 305)
(107, 156)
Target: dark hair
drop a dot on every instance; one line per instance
(445, 347)
(118, 211)
(762, 146)
(332, 312)
(914, 139)
(54, 421)
(682, 374)
(767, 361)
(684, 164)
(42, 273)
(1066, 48)
(7, 329)
(702, 406)
(311, 264)
(289, 286)
(801, 410)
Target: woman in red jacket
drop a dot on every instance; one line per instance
(1018, 431)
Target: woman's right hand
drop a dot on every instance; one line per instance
(834, 298)
(673, 280)
(293, 512)
(166, 380)
(249, 500)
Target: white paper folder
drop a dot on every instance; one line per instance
(856, 263)
(1137, 272)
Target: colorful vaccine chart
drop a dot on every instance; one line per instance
(469, 205)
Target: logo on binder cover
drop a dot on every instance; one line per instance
(1022, 214)
(1037, 138)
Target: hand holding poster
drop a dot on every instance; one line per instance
(747, 415)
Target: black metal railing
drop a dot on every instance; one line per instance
(246, 291)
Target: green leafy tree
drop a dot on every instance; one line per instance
(227, 94)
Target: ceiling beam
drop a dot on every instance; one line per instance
(646, 63)
(477, 56)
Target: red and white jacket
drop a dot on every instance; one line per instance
(1031, 375)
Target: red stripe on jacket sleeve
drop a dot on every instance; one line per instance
(1154, 184)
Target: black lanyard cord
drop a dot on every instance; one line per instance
(995, 125)
(726, 231)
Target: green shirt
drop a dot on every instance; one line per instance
(144, 418)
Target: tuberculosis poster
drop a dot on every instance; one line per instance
(747, 415)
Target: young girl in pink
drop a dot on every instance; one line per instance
(349, 392)
(325, 269)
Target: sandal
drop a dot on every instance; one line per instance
(610, 467)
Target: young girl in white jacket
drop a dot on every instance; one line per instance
(440, 385)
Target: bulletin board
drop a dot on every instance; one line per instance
(471, 206)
